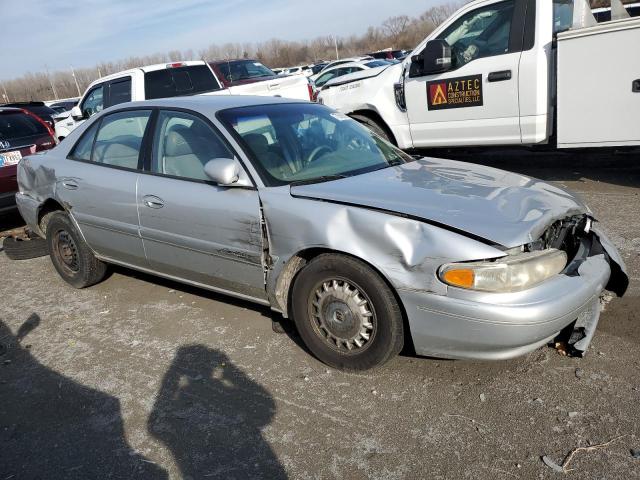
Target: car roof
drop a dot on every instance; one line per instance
(208, 105)
(145, 69)
(4, 109)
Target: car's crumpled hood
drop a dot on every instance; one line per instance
(502, 207)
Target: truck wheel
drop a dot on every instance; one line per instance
(375, 127)
(346, 314)
(70, 255)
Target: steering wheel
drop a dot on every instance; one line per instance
(315, 154)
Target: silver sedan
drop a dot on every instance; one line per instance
(300, 208)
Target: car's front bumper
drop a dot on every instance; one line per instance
(489, 326)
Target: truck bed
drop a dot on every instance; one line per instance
(598, 72)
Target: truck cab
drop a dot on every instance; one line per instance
(144, 83)
(507, 72)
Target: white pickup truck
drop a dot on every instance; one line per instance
(170, 80)
(507, 72)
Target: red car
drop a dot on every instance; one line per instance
(241, 72)
(21, 133)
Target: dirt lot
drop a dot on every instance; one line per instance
(143, 378)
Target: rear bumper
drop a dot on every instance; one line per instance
(476, 325)
(29, 210)
(7, 201)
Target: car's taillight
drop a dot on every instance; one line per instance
(311, 93)
(50, 130)
(175, 65)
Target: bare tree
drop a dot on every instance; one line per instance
(399, 32)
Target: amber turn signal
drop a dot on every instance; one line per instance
(463, 278)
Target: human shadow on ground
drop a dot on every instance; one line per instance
(52, 427)
(210, 415)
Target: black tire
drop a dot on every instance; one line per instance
(375, 127)
(70, 255)
(25, 248)
(339, 302)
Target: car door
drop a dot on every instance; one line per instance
(193, 229)
(476, 101)
(99, 184)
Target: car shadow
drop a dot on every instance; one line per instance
(620, 167)
(54, 427)
(210, 415)
(191, 290)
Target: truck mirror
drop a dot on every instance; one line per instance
(76, 114)
(435, 58)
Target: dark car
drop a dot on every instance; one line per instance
(21, 133)
(389, 54)
(38, 108)
(64, 105)
(241, 72)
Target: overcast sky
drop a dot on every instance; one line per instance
(81, 33)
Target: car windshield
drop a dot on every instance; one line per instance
(378, 63)
(292, 143)
(244, 69)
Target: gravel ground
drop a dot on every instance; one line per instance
(139, 377)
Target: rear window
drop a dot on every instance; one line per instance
(175, 82)
(18, 125)
(234, 71)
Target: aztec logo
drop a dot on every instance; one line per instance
(461, 92)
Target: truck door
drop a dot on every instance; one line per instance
(475, 102)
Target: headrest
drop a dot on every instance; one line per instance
(179, 141)
(258, 143)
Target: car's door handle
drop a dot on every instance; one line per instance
(69, 184)
(635, 87)
(500, 76)
(152, 201)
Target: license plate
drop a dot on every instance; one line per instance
(10, 158)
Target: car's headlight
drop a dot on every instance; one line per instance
(509, 274)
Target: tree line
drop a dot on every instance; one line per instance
(398, 32)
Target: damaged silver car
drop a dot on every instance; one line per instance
(300, 208)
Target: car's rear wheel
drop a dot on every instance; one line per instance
(346, 314)
(70, 255)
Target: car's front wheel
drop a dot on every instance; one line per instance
(346, 314)
(70, 255)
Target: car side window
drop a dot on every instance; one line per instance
(94, 102)
(183, 144)
(119, 91)
(82, 149)
(483, 32)
(325, 77)
(119, 139)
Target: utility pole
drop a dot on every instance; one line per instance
(335, 42)
(55, 94)
(4, 95)
(73, 74)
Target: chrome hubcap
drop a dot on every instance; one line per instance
(342, 315)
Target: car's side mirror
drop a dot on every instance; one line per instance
(227, 172)
(434, 58)
(76, 113)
